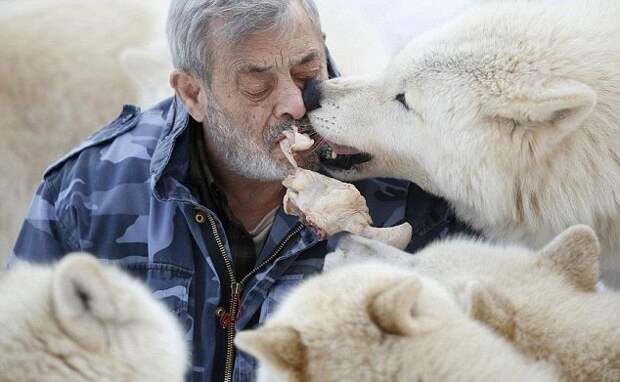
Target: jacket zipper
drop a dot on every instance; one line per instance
(228, 319)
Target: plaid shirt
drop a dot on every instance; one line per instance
(125, 195)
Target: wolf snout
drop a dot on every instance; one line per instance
(312, 95)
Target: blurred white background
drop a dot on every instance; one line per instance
(397, 21)
(364, 34)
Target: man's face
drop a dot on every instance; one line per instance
(257, 93)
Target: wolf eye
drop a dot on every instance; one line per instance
(401, 98)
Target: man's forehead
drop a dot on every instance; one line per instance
(299, 44)
(265, 64)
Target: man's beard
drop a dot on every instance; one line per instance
(241, 155)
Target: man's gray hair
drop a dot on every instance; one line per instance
(192, 41)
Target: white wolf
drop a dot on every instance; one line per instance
(543, 301)
(376, 322)
(80, 321)
(511, 112)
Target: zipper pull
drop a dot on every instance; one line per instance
(236, 289)
(224, 317)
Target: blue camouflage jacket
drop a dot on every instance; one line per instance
(122, 194)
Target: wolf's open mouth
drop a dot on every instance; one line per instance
(341, 157)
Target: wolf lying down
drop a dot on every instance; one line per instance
(458, 311)
(79, 321)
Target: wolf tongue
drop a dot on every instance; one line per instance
(343, 150)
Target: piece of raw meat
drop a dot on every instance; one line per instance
(328, 206)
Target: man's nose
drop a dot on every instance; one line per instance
(312, 95)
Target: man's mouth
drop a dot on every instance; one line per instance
(331, 155)
(340, 157)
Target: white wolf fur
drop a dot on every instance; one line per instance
(511, 112)
(376, 322)
(542, 301)
(81, 321)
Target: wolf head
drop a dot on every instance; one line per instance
(544, 302)
(350, 325)
(506, 284)
(510, 112)
(81, 321)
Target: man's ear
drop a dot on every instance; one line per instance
(280, 347)
(394, 310)
(191, 92)
(559, 105)
(574, 254)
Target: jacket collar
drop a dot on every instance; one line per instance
(170, 161)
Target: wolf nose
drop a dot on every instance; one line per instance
(312, 95)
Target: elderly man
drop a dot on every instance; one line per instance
(186, 196)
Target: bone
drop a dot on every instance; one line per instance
(294, 141)
(398, 236)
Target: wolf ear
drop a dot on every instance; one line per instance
(395, 309)
(83, 299)
(280, 347)
(483, 304)
(574, 253)
(561, 103)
